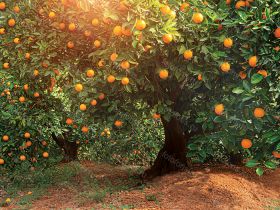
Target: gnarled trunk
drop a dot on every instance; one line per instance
(172, 157)
(70, 148)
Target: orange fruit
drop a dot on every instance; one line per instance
(156, 116)
(240, 4)
(101, 63)
(16, 9)
(22, 158)
(276, 154)
(228, 2)
(165, 10)
(25, 87)
(188, 54)
(246, 143)
(36, 73)
(87, 33)
(259, 112)
(16, 40)
(197, 18)
(140, 25)
(90, 73)
(2, 30)
(70, 44)
(27, 55)
(263, 73)
(11, 22)
(126, 31)
(2, 161)
(225, 67)
(6, 65)
(51, 15)
(27, 135)
(114, 57)
(167, 38)
(36, 95)
(97, 43)
(125, 65)
(242, 75)
(111, 79)
(125, 81)
(228, 42)
(2, 6)
(72, 27)
(253, 61)
(93, 102)
(69, 121)
(101, 96)
(95, 22)
(118, 123)
(28, 144)
(44, 143)
(85, 129)
(199, 77)
(83, 107)
(219, 109)
(21, 99)
(184, 6)
(79, 87)
(277, 33)
(45, 154)
(117, 31)
(163, 74)
(5, 138)
(62, 26)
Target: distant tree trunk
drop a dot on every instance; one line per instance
(172, 157)
(70, 148)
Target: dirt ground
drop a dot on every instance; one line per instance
(219, 187)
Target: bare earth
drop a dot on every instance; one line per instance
(219, 187)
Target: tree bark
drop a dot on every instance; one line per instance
(70, 148)
(172, 157)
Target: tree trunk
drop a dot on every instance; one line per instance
(172, 157)
(70, 148)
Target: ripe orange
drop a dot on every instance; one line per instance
(70, 44)
(51, 15)
(27, 55)
(101, 96)
(276, 154)
(27, 135)
(5, 138)
(125, 65)
(21, 99)
(16, 40)
(228, 2)
(72, 27)
(199, 77)
(97, 43)
(45, 154)
(79, 87)
(6, 65)
(117, 31)
(28, 144)
(36, 73)
(22, 158)
(184, 6)
(140, 25)
(83, 107)
(111, 79)
(62, 26)
(253, 61)
(95, 22)
(228, 42)
(126, 31)
(165, 10)
(90, 73)
(85, 129)
(118, 123)
(197, 18)
(2, 6)
(114, 57)
(125, 81)
(246, 143)
(156, 116)
(240, 4)
(2, 30)
(25, 87)
(16, 9)
(36, 95)
(242, 75)
(188, 54)
(277, 33)
(11, 22)
(225, 67)
(259, 112)
(263, 73)
(101, 63)
(2, 161)
(167, 38)
(93, 102)
(87, 33)
(163, 74)
(219, 109)
(44, 143)
(69, 121)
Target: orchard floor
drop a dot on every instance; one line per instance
(102, 186)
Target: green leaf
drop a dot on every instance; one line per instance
(270, 165)
(256, 78)
(238, 90)
(259, 171)
(252, 163)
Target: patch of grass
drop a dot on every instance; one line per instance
(152, 197)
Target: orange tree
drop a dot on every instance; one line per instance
(199, 66)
